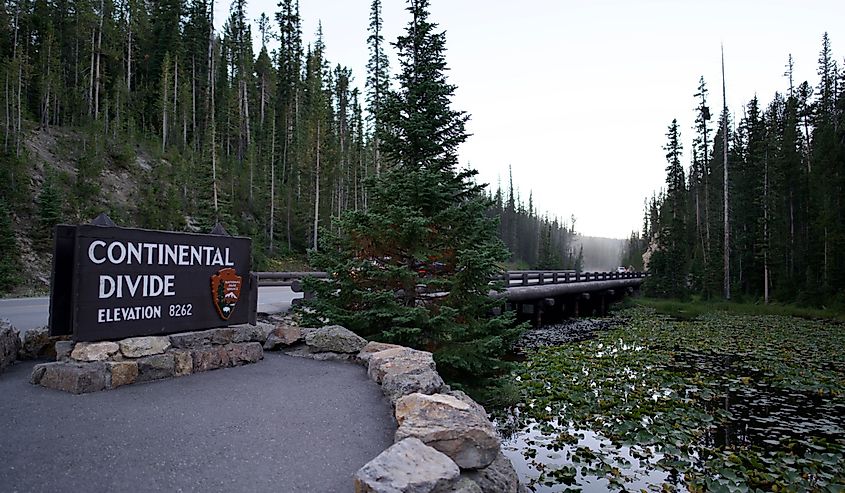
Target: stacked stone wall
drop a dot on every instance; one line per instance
(445, 441)
(84, 367)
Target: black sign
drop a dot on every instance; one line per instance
(113, 283)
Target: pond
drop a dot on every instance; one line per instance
(645, 402)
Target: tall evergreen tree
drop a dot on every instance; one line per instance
(378, 84)
(414, 267)
(49, 211)
(668, 262)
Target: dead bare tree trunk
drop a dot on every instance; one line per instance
(317, 189)
(164, 110)
(698, 232)
(20, 104)
(248, 139)
(263, 92)
(286, 172)
(129, 53)
(727, 245)
(99, 57)
(210, 114)
(91, 76)
(766, 228)
(45, 108)
(8, 100)
(791, 235)
(194, 101)
(272, 181)
(175, 89)
(6, 104)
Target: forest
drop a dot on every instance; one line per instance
(143, 111)
(769, 225)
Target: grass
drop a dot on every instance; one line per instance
(687, 310)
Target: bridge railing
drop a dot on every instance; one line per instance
(290, 279)
(514, 278)
(538, 278)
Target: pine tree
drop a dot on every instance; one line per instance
(9, 261)
(378, 83)
(578, 265)
(414, 268)
(668, 264)
(49, 211)
(700, 173)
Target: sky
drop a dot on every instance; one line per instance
(576, 96)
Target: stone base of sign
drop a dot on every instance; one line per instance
(445, 441)
(85, 367)
(38, 344)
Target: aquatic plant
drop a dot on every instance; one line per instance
(720, 402)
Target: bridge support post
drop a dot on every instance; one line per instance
(583, 305)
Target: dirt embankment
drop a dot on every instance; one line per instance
(60, 151)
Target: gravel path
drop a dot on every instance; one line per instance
(284, 425)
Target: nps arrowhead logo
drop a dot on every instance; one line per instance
(226, 291)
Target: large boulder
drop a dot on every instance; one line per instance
(203, 338)
(498, 477)
(244, 353)
(36, 343)
(450, 426)
(94, 351)
(210, 358)
(222, 336)
(398, 385)
(156, 367)
(282, 336)
(408, 466)
(335, 339)
(464, 485)
(398, 360)
(75, 378)
(38, 372)
(252, 333)
(122, 372)
(403, 371)
(63, 350)
(303, 351)
(136, 347)
(184, 363)
(374, 347)
(10, 344)
(462, 396)
(190, 340)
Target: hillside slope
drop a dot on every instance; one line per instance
(57, 155)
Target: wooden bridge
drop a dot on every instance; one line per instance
(536, 295)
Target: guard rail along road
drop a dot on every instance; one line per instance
(530, 292)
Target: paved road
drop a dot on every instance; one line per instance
(285, 424)
(29, 313)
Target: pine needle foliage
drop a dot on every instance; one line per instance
(415, 267)
(9, 261)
